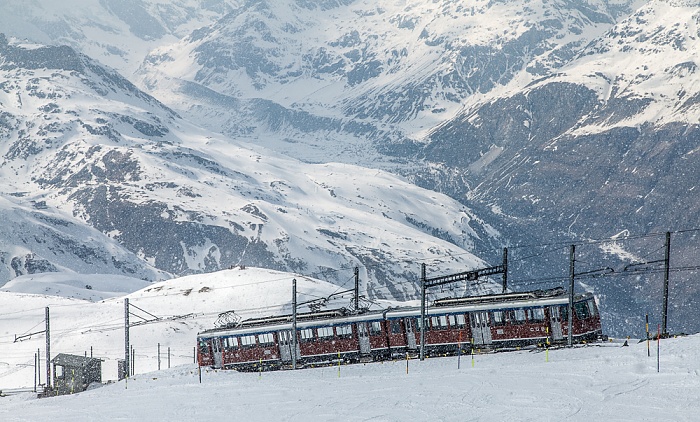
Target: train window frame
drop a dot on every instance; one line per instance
(592, 309)
(306, 334)
(203, 347)
(344, 330)
(395, 326)
(248, 340)
(231, 342)
(375, 328)
(325, 332)
(535, 314)
(452, 320)
(498, 318)
(461, 320)
(519, 316)
(581, 310)
(443, 322)
(265, 338)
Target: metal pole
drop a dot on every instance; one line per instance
(422, 312)
(572, 260)
(38, 366)
(505, 269)
(168, 357)
(133, 358)
(294, 324)
(36, 369)
(159, 356)
(357, 288)
(667, 260)
(48, 350)
(127, 361)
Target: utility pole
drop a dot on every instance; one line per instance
(48, 350)
(127, 365)
(422, 312)
(294, 323)
(667, 261)
(572, 276)
(357, 288)
(505, 269)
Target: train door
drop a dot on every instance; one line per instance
(481, 330)
(363, 338)
(284, 339)
(555, 323)
(217, 352)
(410, 333)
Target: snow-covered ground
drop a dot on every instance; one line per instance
(597, 383)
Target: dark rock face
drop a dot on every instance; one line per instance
(520, 155)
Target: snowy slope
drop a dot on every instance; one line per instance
(118, 33)
(81, 139)
(300, 77)
(80, 322)
(599, 382)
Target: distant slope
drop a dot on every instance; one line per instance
(80, 138)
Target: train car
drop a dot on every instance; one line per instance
(485, 322)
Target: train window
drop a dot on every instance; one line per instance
(248, 340)
(452, 320)
(434, 322)
(564, 313)
(344, 330)
(498, 318)
(581, 310)
(591, 307)
(443, 321)
(395, 326)
(519, 316)
(203, 347)
(265, 338)
(325, 332)
(461, 322)
(307, 334)
(231, 342)
(375, 328)
(535, 314)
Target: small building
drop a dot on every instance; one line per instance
(74, 373)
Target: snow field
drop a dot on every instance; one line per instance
(599, 382)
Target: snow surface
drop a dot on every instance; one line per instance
(600, 382)
(605, 381)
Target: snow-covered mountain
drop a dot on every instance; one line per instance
(606, 145)
(118, 33)
(556, 121)
(349, 80)
(83, 140)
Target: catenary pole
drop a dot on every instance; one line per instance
(127, 363)
(294, 324)
(48, 350)
(357, 288)
(572, 275)
(422, 312)
(505, 269)
(667, 261)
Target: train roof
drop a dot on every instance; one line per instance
(550, 297)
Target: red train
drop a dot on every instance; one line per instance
(486, 322)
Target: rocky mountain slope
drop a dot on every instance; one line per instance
(82, 139)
